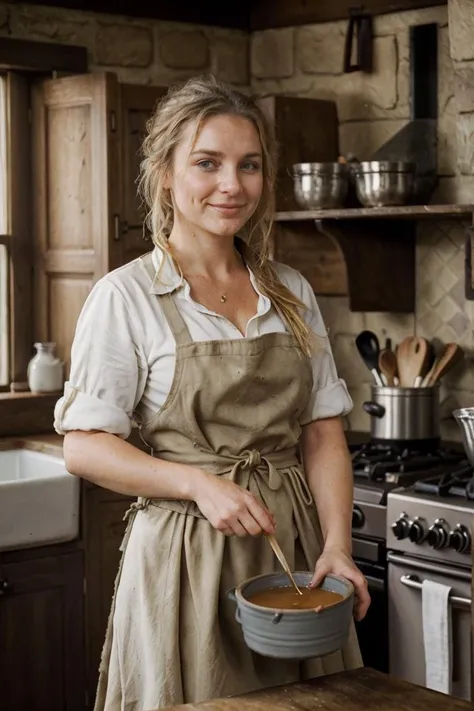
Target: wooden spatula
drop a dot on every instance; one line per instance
(388, 365)
(281, 557)
(451, 356)
(412, 354)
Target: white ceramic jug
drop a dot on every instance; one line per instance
(45, 370)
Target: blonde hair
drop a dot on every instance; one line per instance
(195, 101)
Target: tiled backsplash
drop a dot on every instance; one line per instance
(442, 315)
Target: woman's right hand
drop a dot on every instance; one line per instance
(230, 509)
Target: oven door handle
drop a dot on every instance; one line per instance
(413, 581)
(375, 583)
(429, 567)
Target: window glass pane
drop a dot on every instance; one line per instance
(3, 158)
(3, 315)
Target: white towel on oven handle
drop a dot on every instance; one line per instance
(437, 636)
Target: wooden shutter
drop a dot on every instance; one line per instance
(76, 162)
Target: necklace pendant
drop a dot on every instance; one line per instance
(223, 298)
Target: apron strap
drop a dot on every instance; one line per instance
(175, 321)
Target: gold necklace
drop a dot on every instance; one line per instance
(222, 297)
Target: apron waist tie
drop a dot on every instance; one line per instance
(247, 466)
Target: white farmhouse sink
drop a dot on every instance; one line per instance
(39, 500)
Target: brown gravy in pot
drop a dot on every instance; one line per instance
(286, 598)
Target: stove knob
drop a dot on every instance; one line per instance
(358, 518)
(438, 536)
(416, 532)
(401, 527)
(460, 539)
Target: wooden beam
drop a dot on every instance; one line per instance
(266, 14)
(232, 14)
(24, 55)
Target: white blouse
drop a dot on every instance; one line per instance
(123, 354)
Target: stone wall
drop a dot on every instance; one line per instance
(307, 61)
(139, 51)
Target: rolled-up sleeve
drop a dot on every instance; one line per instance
(104, 383)
(329, 396)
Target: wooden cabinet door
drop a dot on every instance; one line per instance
(75, 197)
(136, 107)
(103, 528)
(41, 634)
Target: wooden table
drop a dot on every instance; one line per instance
(356, 690)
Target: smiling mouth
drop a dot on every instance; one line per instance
(227, 207)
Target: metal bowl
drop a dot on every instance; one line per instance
(465, 419)
(319, 186)
(383, 183)
(294, 634)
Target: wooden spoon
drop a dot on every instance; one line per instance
(388, 365)
(412, 354)
(281, 557)
(451, 356)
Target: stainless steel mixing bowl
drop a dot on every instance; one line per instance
(320, 186)
(383, 183)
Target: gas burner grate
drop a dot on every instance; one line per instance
(375, 461)
(455, 482)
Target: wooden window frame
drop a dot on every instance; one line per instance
(18, 240)
(22, 61)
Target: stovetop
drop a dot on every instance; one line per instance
(401, 465)
(387, 470)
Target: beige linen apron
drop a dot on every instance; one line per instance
(172, 638)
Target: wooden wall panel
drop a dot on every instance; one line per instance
(316, 256)
(65, 298)
(69, 176)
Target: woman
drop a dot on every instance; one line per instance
(221, 358)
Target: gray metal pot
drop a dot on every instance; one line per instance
(293, 634)
(380, 183)
(404, 414)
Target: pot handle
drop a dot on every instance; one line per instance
(373, 408)
(231, 595)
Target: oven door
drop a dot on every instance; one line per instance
(372, 631)
(406, 649)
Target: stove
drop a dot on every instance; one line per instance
(381, 470)
(429, 537)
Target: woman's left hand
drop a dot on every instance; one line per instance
(339, 562)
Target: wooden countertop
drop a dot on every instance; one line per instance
(53, 443)
(47, 443)
(356, 690)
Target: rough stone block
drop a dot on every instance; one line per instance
(464, 87)
(271, 55)
(320, 48)
(184, 49)
(447, 141)
(461, 29)
(40, 23)
(465, 134)
(232, 60)
(124, 45)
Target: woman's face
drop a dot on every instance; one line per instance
(217, 181)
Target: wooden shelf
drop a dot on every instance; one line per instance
(367, 254)
(407, 212)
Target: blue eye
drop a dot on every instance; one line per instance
(206, 164)
(250, 166)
